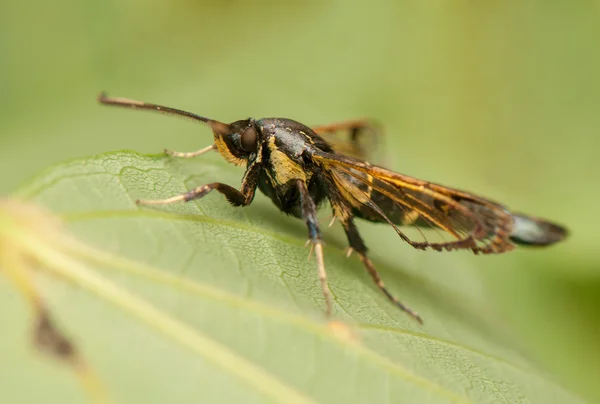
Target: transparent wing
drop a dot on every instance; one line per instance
(378, 194)
(358, 138)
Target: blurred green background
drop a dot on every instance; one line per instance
(501, 98)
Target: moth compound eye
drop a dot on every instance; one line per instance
(249, 140)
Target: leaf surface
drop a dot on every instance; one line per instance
(240, 278)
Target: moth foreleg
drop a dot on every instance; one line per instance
(188, 155)
(242, 197)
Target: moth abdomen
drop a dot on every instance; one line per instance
(529, 230)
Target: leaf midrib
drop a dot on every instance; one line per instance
(322, 331)
(255, 306)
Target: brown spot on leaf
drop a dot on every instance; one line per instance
(51, 341)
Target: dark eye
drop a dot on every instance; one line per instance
(248, 139)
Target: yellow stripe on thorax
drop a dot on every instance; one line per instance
(284, 168)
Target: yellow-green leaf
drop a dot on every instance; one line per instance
(237, 282)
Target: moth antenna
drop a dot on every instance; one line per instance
(133, 104)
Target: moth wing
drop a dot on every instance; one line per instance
(361, 138)
(377, 193)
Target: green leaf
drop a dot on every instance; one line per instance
(213, 303)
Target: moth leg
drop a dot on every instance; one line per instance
(357, 244)
(242, 197)
(187, 155)
(309, 214)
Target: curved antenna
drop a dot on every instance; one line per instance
(124, 102)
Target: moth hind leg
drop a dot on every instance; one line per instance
(357, 244)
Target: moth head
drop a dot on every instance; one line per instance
(236, 141)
